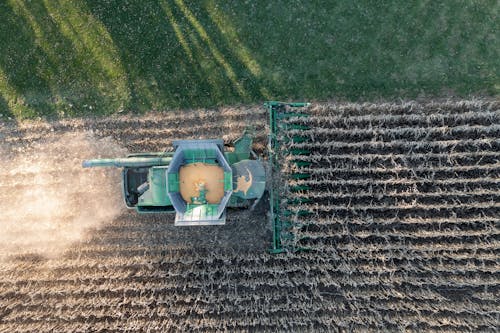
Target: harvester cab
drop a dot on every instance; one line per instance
(197, 181)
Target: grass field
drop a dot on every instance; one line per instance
(62, 58)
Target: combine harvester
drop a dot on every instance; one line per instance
(199, 179)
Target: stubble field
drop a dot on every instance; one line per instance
(402, 235)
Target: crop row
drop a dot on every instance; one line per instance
(107, 303)
(423, 135)
(386, 111)
(153, 121)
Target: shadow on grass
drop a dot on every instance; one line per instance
(4, 109)
(175, 56)
(49, 69)
(19, 57)
(99, 57)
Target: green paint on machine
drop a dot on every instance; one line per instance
(151, 182)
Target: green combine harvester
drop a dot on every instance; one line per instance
(199, 179)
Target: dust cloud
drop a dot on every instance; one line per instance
(48, 201)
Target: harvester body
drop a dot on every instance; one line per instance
(197, 181)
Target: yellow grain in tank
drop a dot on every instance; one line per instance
(194, 174)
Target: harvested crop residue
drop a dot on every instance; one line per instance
(403, 235)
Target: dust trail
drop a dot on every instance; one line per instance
(48, 201)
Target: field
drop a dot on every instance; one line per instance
(403, 233)
(77, 58)
(390, 208)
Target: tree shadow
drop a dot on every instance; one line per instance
(4, 109)
(51, 68)
(19, 57)
(185, 63)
